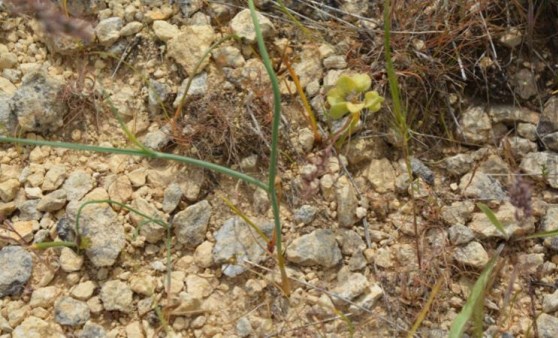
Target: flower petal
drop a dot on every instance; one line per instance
(373, 101)
(339, 110)
(355, 107)
(335, 96)
(362, 82)
(345, 85)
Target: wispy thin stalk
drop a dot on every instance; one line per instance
(271, 190)
(400, 118)
(141, 153)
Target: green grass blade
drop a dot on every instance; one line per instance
(476, 298)
(272, 173)
(493, 219)
(543, 234)
(138, 152)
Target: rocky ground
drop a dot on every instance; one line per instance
(350, 225)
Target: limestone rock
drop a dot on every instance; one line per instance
(36, 105)
(316, 248)
(17, 266)
(190, 225)
(243, 26)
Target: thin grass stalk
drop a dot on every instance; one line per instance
(311, 116)
(271, 190)
(135, 152)
(426, 307)
(400, 117)
(178, 112)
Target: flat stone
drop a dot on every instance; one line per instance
(317, 248)
(70, 261)
(198, 87)
(483, 228)
(459, 212)
(473, 255)
(520, 147)
(71, 312)
(53, 201)
(36, 105)
(549, 222)
(83, 291)
(116, 295)
(152, 231)
(228, 56)
(17, 265)
(142, 284)
(547, 326)
(305, 214)
(347, 202)
(33, 327)
(44, 297)
(108, 30)
(101, 226)
(9, 189)
(549, 116)
(511, 115)
(164, 30)
(350, 242)
(541, 166)
(459, 234)
(158, 139)
(197, 286)
(242, 26)
(353, 286)
(77, 185)
(190, 225)
(203, 256)
(92, 330)
(188, 47)
(381, 175)
(550, 302)
(54, 177)
(476, 125)
(481, 186)
(236, 242)
(131, 28)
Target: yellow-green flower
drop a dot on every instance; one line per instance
(346, 96)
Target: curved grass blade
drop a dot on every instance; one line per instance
(493, 219)
(476, 298)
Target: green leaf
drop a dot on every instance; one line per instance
(493, 219)
(338, 111)
(362, 82)
(373, 101)
(476, 298)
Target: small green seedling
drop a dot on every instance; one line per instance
(351, 95)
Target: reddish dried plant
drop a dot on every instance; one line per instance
(521, 198)
(51, 17)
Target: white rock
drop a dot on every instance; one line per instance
(473, 255)
(116, 295)
(70, 261)
(243, 26)
(164, 30)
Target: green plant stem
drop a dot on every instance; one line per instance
(400, 119)
(142, 153)
(271, 190)
(196, 70)
(57, 244)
